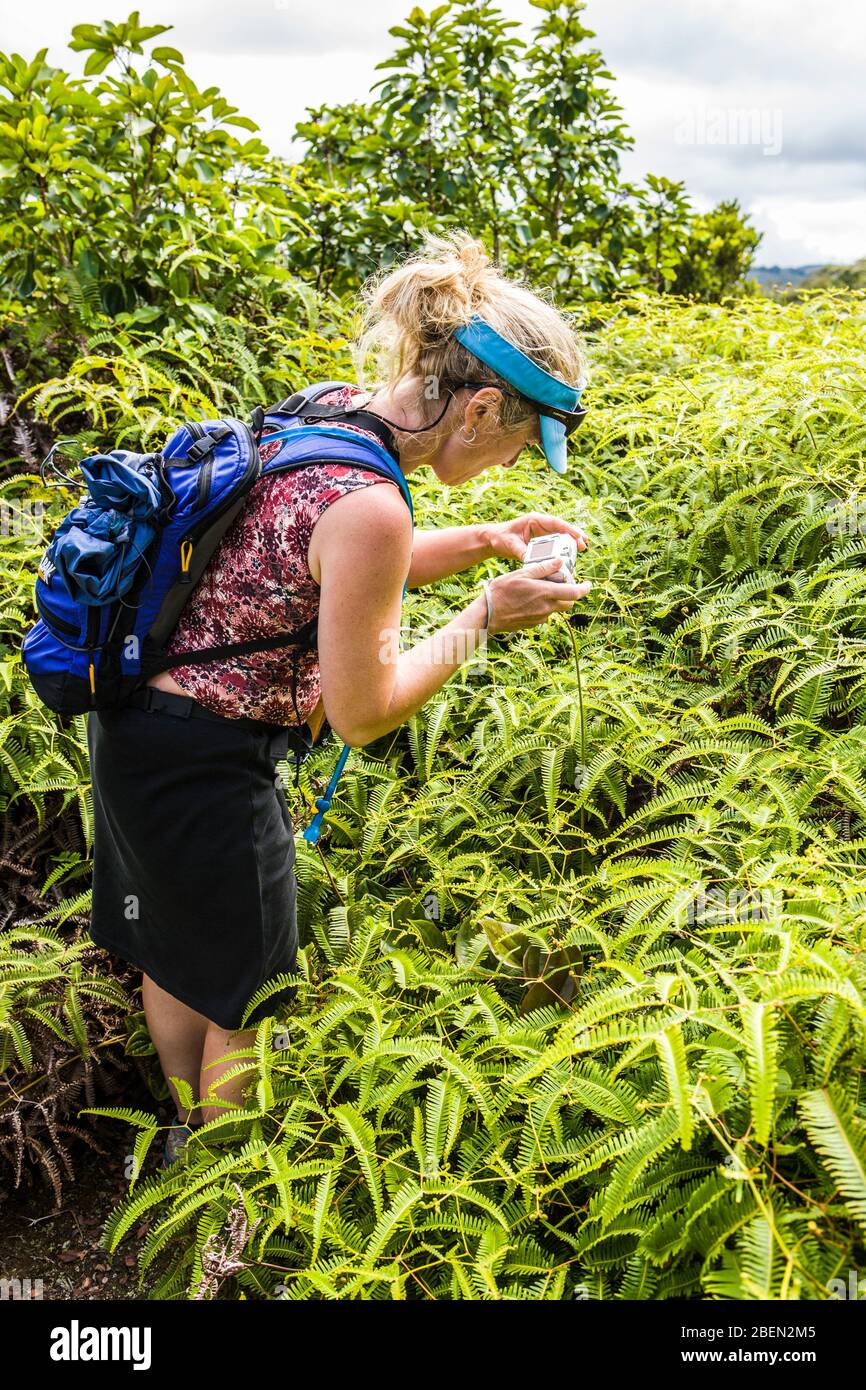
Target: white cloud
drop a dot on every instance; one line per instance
(808, 227)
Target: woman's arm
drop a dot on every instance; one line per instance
(436, 554)
(360, 554)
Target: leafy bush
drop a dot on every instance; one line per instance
(580, 998)
(519, 142)
(581, 989)
(132, 201)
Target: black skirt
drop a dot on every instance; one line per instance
(193, 854)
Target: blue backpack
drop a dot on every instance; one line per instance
(120, 567)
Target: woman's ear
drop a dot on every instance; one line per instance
(483, 408)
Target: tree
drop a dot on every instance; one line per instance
(520, 144)
(719, 253)
(660, 234)
(572, 135)
(125, 194)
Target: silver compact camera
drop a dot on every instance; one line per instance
(556, 546)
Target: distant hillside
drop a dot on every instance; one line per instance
(852, 277)
(784, 274)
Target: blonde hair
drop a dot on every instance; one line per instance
(410, 313)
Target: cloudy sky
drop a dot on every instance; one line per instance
(760, 100)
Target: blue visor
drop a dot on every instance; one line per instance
(539, 387)
(553, 442)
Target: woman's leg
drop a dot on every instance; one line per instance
(218, 1042)
(178, 1034)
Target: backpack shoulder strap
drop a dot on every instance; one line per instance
(291, 403)
(307, 405)
(317, 443)
(310, 410)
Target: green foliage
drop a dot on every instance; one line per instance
(132, 201)
(519, 143)
(719, 251)
(581, 989)
(581, 993)
(62, 1035)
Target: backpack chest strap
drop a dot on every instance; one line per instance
(303, 637)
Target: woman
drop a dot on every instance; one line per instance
(193, 845)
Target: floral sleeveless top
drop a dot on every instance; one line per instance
(258, 583)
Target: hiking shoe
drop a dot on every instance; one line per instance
(175, 1143)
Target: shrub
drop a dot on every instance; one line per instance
(581, 989)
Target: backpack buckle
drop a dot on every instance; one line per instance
(208, 442)
(257, 423)
(200, 449)
(151, 698)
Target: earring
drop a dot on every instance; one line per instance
(465, 438)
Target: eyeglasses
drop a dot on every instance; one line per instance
(570, 419)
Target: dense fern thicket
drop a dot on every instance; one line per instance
(580, 1006)
(581, 988)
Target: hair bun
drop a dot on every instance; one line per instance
(474, 258)
(413, 308)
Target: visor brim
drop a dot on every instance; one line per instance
(553, 438)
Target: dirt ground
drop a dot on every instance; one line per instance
(60, 1246)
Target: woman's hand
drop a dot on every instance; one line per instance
(527, 597)
(510, 538)
(359, 555)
